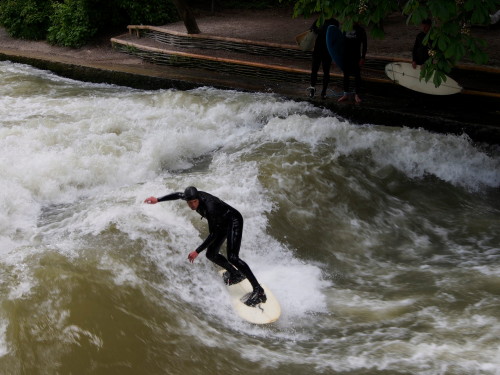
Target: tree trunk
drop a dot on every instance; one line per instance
(187, 16)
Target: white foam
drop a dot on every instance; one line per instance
(415, 152)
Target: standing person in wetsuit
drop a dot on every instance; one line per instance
(420, 52)
(321, 56)
(355, 46)
(224, 222)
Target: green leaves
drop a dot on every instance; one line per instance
(70, 24)
(26, 19)
(454, 51)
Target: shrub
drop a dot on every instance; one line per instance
(26, 19)
(71, 25)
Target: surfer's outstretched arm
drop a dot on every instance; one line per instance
(168, 197)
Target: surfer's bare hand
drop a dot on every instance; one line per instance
(192, 256)
(151, 200)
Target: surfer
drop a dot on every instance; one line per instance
(224, 222)
(321, 56)
(420, 52)
(355, 46)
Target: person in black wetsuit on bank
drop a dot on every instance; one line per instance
(420, 52)
(355, 46)
(224, 222)
(321, 57)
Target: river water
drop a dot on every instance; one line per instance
(381, 243)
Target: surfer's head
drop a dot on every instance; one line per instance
(190, 193)
(191, 197)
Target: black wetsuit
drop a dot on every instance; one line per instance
(420, 52)
(224, 222)
(320, 55)
(355, 46)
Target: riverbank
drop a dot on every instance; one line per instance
(383, 103)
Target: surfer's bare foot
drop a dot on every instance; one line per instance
(343, 98)
(357, 99)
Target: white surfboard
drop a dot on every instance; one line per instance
(403, 73)
(263, 313)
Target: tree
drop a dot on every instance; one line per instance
(449, 39)
(187, 16)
